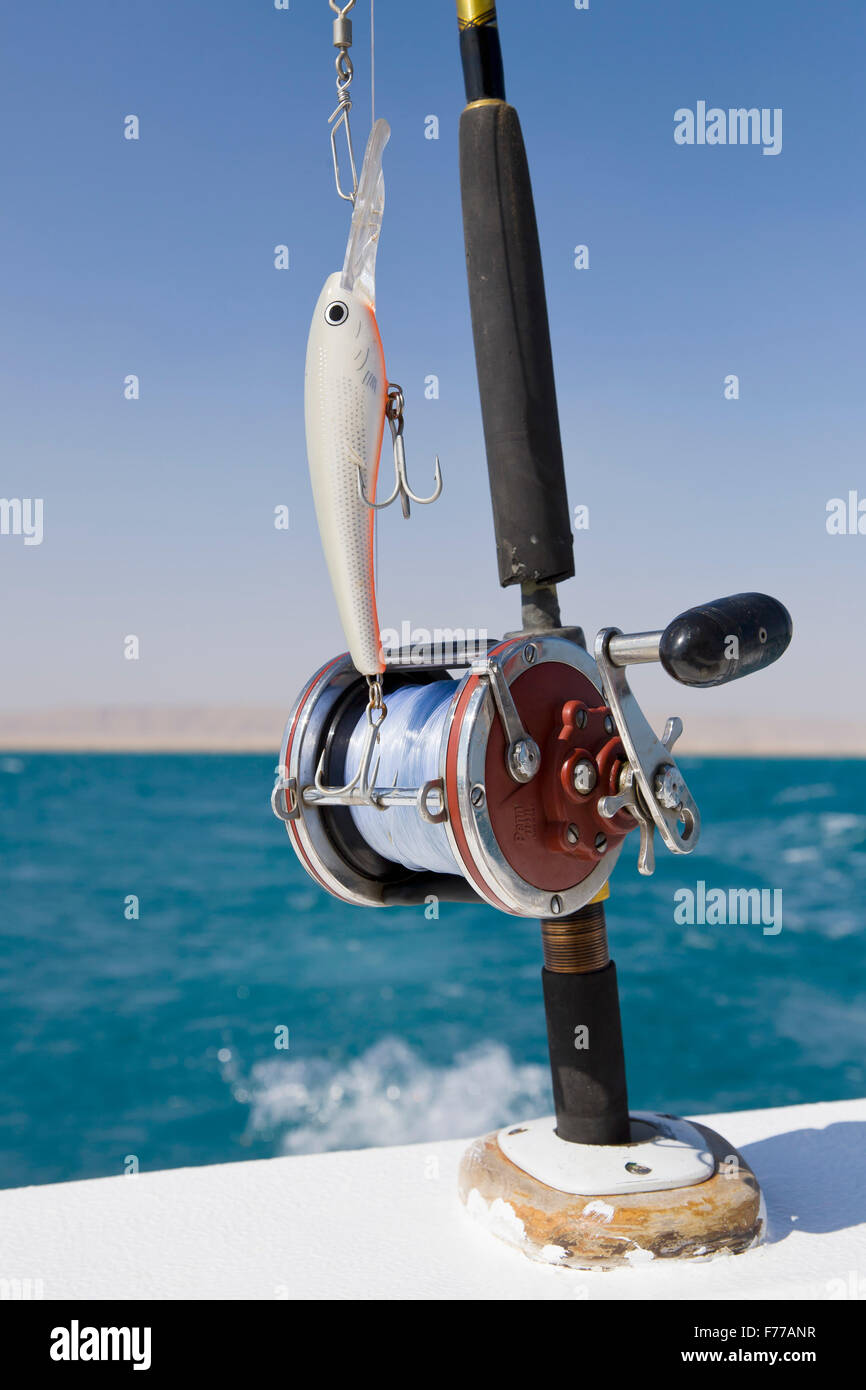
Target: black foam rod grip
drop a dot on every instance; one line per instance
(512, 350)
(725, 639)
(586, 1057)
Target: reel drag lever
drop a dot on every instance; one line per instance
(709, 645)
(651, 785)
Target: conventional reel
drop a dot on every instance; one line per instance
(513, 776)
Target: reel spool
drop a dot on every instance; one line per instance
(495, 778)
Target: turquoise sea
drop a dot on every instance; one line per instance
(153, 1039)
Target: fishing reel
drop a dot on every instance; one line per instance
(513, 775)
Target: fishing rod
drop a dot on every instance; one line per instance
(513, 775)
(514, 362)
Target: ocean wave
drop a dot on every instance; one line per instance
(818, 860)
(812, 791)
(389, 1095)
(843, 827)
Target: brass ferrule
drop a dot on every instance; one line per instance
(474, 13)
(576, 945)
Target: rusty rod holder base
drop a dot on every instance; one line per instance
(724, 1215)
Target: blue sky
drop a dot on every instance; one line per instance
(155, 257)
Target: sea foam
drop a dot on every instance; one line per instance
(390, 1095)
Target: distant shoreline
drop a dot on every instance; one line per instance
(259, 729)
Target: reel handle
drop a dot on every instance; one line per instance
(725, 639)
(714, 643)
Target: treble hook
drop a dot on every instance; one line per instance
(394, 414)
(364, 779)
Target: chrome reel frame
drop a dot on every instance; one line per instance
(651, 788)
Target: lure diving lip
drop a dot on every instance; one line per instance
(345, 397)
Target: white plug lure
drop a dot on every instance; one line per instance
(345, 398)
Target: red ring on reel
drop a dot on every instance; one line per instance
(548, 835)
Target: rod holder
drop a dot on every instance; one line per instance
(584, 1030)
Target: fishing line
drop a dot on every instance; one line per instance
(410, 747)
(373, 122)
(372, 64)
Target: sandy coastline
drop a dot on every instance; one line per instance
(239, 729)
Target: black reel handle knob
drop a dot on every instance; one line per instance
(725, 639)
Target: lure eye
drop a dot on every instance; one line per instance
(336, 313)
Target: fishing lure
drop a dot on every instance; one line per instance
(346, 400)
